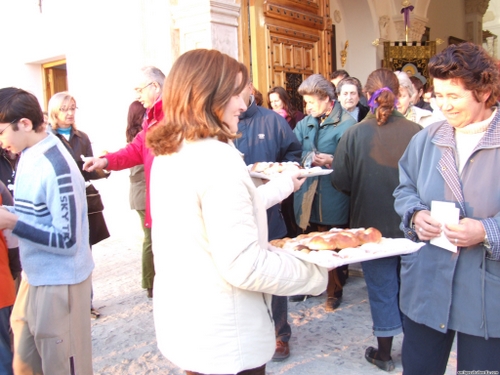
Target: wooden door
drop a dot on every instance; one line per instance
(55, 79)
(288, 41)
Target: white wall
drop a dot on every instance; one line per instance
(105, 43)
(357, 26)
(446, 18)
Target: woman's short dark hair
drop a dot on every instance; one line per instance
(470, 64)
(349, 81)
(16, 104)
(317, 85)
(417, 83)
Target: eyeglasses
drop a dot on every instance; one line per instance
(139, 89)
(64, 109)
(13, 122)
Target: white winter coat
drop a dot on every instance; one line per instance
(214, 272)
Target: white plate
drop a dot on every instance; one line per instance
(306, 172)
(331, 259)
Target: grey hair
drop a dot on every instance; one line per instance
(350, 81)
(317, 85)
(404, 81)
(154, 74)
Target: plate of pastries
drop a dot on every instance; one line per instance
(268, 170)
(338, 247)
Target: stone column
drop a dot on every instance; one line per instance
(208, 24)
(417, 27)
(474, 12)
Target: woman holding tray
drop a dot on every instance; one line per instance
(365, 167)
(210, 235)
(443, 293)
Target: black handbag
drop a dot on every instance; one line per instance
(94, 201)
(98, 230)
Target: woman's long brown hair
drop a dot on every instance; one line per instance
(195, 93)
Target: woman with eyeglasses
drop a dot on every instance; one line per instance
(62, 110)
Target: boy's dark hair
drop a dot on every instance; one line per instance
(16, 104)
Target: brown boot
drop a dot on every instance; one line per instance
(282, 351)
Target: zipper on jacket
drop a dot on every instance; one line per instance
(267, 307)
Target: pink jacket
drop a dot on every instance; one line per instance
(136, 152)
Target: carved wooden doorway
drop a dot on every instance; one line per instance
(285, 41)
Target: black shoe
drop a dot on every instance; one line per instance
(298, 298)
(94, 313)
(332, 303)
(370, 355)
(150, 292)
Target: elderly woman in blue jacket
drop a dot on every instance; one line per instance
(318, 205)
(446, 294)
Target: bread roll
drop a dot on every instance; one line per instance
(280, 242)
(369, 235)
(302, 236)
(322, 243)
(290, 166)
(260, 166)
(302, 248)
(346, 239)
(273, 168)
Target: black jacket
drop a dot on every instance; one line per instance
(78, 145)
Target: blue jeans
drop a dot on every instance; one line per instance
(382, 282)
(5, 346)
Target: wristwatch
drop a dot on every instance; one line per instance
(486, 243)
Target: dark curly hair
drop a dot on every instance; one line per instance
(472, 65)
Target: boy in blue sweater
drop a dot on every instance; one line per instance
(50, 319)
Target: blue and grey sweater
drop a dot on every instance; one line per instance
(52, 225)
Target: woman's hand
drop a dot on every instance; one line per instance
(426, 226)
(467, 232)
(297, 179)
(321, 160)
(8, 220)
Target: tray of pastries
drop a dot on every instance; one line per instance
(338, 247)
(267, 170)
